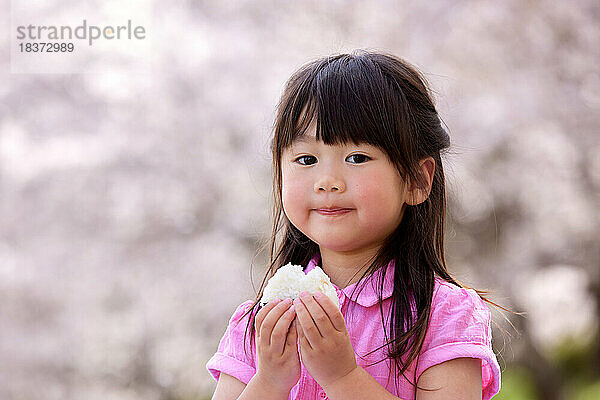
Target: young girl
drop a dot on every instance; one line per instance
(359, 191)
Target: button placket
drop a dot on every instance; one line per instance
(303, 382)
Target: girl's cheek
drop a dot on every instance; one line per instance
(293, 181)
(372, 198)
(366, 191)
(294, 195)
(291, 184)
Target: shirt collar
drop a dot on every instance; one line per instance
(367, 295)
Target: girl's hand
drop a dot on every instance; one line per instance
(325, 344)
(276, 345)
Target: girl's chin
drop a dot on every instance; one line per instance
(340, 245)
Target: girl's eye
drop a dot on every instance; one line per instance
(306, 160)
(358, 158)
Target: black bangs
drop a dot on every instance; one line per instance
(349, 99)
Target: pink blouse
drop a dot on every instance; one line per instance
(459, 326)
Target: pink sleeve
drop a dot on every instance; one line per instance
(459, 326)
(230, 357)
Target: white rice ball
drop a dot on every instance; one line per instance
(290, 280)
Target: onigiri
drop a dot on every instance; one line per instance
(290, 280)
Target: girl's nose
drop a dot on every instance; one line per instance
(328, 183)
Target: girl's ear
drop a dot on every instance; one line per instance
(415, 195)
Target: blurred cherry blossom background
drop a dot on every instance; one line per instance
(133, 202)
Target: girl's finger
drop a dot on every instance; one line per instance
(268, 323)
(278, 336)
(291, 339)
(302, 340)
(309, 329)
(334, 313)
(319, 316)
(262, 313)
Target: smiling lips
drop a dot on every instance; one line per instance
(334, 211)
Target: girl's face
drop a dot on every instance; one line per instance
(358, 182)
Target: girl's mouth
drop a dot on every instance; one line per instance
(331, 212)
